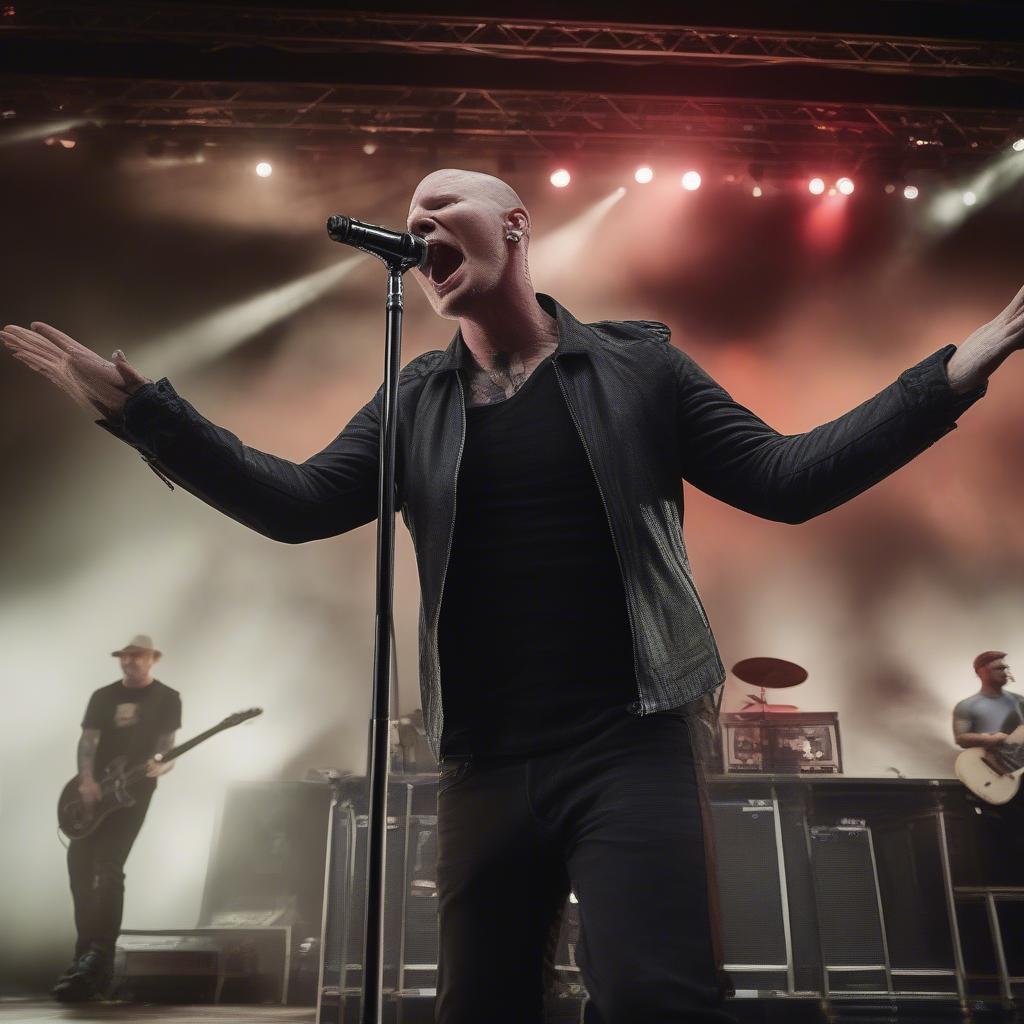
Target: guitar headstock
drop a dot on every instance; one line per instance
(241, 716)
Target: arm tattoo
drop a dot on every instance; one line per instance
(164, 742)
(87, 745)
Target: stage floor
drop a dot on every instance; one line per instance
(746, 1011)
(44, 1010)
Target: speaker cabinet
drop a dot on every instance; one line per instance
(752, 894)
(854, 950)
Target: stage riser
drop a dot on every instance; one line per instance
(810, 902)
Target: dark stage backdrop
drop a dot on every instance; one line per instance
(219, 279)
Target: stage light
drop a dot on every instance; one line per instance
(910, 192)
(1019, 145)
(67, 143)
(691, 181)
(264, 170)
(756, 192)
(969, 198)
(845, 186)
(643, 175)
(369, 148)
(816, 186)
(560, 178)
(890, 188)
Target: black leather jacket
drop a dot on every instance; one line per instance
(648, 417)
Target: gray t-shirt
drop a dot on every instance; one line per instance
(982, 713)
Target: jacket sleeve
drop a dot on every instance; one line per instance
(330, 493)
(729, 452)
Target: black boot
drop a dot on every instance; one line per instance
(89, 979)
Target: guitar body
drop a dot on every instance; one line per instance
(76, 819)
(985, 781)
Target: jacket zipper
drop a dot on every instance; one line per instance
(448, 553)
(611, 530)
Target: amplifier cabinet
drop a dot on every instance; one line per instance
(850, 922)
(753, 901)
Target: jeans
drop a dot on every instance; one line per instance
(618, 820)
(96, 872)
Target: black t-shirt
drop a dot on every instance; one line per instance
(535, 642)
(131, 719)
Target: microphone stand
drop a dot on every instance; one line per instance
(380, 722)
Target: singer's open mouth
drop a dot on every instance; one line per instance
(444, 261)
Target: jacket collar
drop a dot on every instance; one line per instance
(574, 338)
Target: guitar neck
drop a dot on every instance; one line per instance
(136, 773)
(183, 748)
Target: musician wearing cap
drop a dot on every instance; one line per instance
(564, 650)
(134, 718)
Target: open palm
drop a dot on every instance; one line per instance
(96, 384)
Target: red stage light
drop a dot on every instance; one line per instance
(643, 175)
(816, 186)
(845, 186)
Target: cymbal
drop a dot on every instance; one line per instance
(771, 673)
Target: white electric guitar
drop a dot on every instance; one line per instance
(993, 773)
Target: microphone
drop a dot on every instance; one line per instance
(401, 247)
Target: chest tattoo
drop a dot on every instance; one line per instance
(500, 381)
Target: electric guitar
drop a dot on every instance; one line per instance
(77, 819)
(993, 773)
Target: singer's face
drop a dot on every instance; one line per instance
(462, 215)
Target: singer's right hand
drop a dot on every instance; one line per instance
(96, 384)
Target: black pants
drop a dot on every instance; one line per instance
(96, 870)
(618, 820)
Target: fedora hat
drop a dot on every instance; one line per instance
(139, 642)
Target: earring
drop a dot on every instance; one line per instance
(514, 235)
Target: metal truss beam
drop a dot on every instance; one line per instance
(509, 120)
(325, 31)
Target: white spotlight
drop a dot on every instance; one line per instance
(691, 181)
(845, 186)
(756, 192)
(264, 170)
(369, 148)
(969, 198)
(816, 186)
(560, 178)
(910, 192)
(1019, 145)
(643, 175)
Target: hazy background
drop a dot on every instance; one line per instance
(800, 307)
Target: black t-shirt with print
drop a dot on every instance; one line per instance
(131, 719)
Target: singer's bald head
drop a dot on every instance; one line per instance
(470, 185)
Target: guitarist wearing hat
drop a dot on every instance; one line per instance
(135, 718)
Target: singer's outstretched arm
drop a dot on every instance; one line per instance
(334, 491)
(732, 454)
